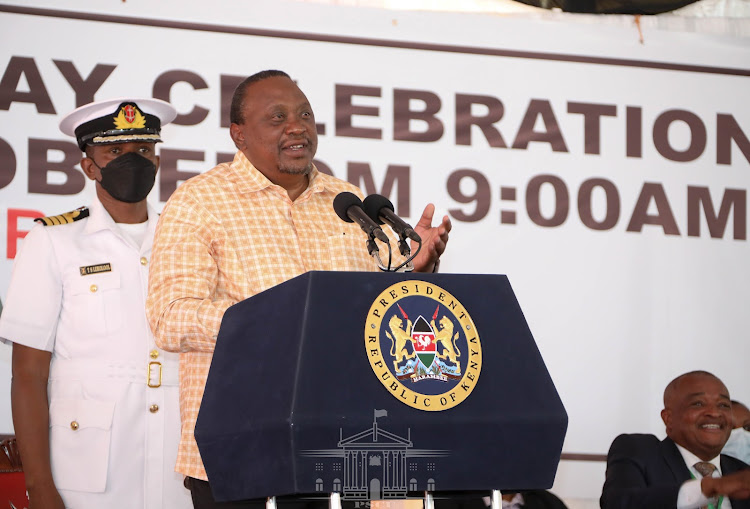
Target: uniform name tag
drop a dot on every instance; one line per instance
(96, 269)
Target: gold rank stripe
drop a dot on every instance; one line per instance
(67, 217)
(95, 269)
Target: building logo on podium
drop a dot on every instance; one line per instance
(423, 345)
(374, 464)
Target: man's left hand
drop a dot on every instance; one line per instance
(434, 240)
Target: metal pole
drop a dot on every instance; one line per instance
(334, 502)
(429, 501)
(497, 500)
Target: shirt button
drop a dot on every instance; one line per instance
(74, 425)
(153, 408)
(144, 261)
(154, 353)
(93, 288)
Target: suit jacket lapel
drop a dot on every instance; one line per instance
(728, 466)
(674, 460)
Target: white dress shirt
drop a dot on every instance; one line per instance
(690, 495)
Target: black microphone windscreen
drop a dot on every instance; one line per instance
(373, 204)
(342, 202)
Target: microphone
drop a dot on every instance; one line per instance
(380, 209)
(349, 208)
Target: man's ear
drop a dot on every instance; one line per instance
(237, 136)
(87, 165)
(666, 416)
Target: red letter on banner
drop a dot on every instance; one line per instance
(13, 234)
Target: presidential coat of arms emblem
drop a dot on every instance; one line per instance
(434, 352)
(423, 345)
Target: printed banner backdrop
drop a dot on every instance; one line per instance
(606, 177)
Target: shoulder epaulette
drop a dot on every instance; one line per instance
(67, 217)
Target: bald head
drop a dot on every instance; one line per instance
(673, 388)
(698, 413)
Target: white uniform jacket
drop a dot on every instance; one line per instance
(78, 290)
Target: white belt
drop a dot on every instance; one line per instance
(154, 374)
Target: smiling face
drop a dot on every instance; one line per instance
(697, 413)
(277, 133)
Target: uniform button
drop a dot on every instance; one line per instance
(144, 261)
(74, 425)
(153, 408)
(93, 288)
(154, 353)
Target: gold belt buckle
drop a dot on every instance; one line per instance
(148, 374)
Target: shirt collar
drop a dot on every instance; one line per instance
(248, 179)
(99, 219)
(691, 459)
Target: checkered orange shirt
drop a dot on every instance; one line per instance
(222, 237)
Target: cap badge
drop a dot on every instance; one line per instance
(130, 118)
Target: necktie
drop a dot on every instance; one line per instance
(705, 469)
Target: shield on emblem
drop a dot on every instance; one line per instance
(129, 113)
(423, 339)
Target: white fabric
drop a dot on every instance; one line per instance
(135, 231)
(91, 111)
(690, 495)
(95, 326)
(738, 445)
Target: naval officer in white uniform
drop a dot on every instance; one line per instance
(95, 402)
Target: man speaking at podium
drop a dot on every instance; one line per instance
(244, 227)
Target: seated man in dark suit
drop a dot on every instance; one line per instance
(643, 472)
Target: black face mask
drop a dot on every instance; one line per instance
(129, 177)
